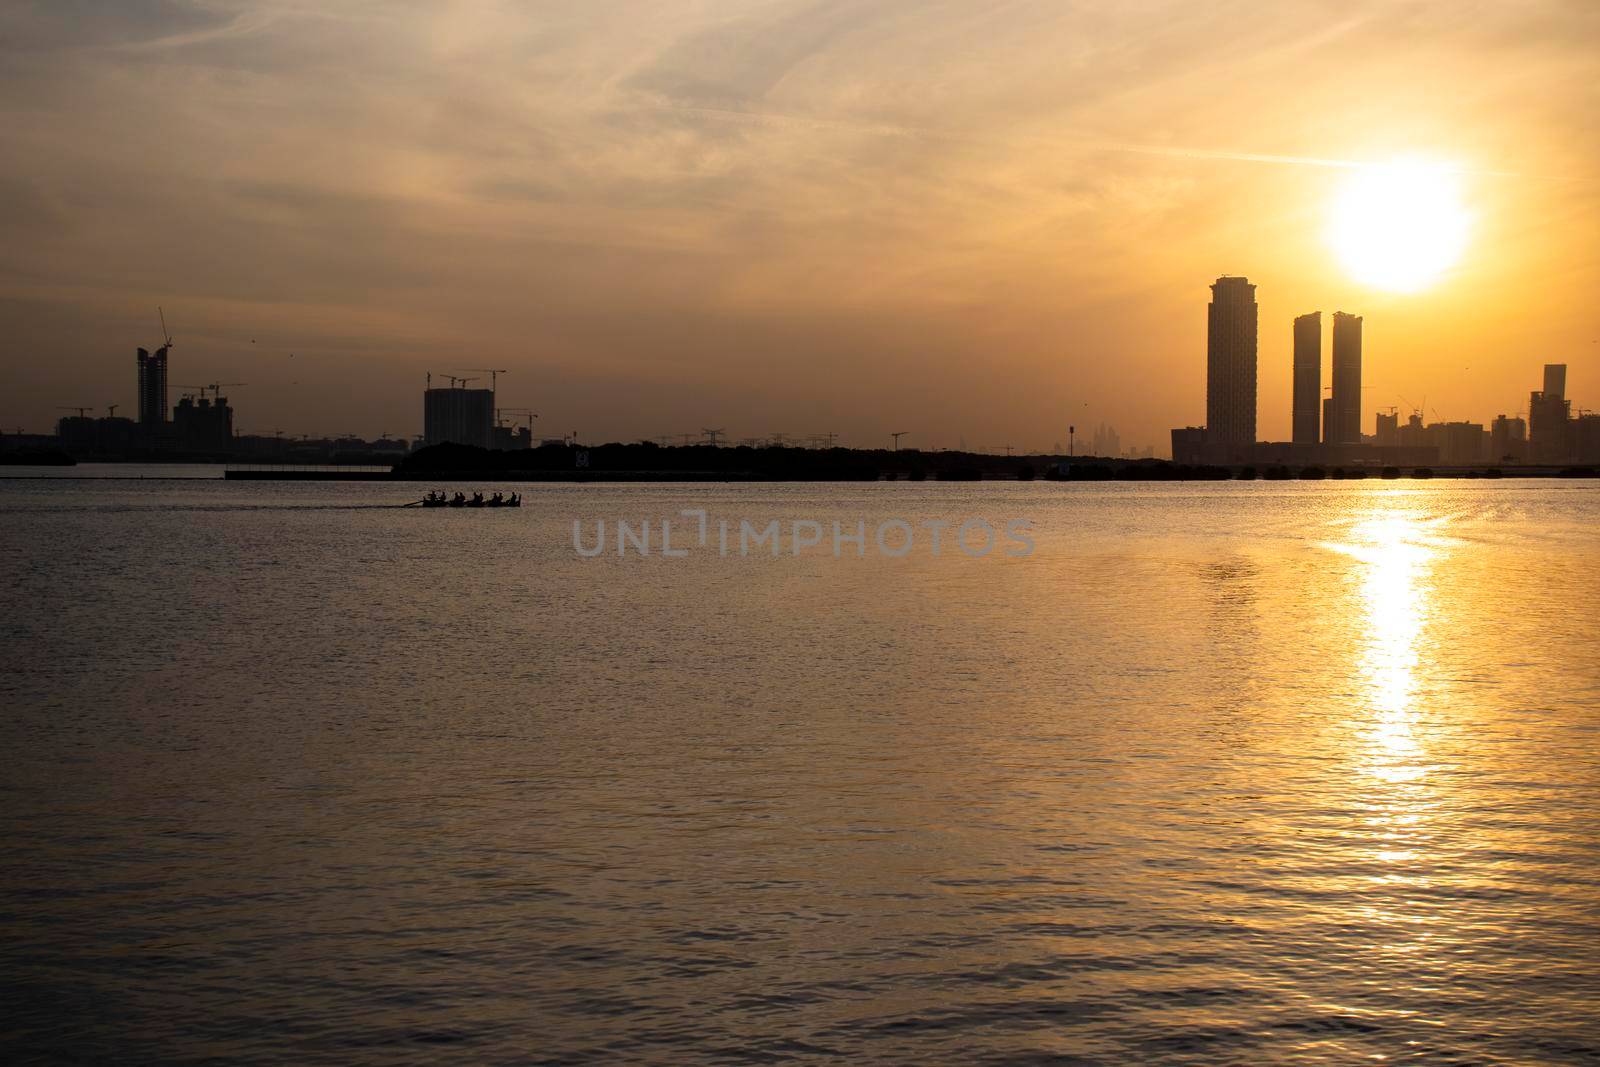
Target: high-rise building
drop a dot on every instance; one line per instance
(1550, 437)
(1413, 434)
(1460, 443)
(1508, 439)
(203, 426)
(1307, 403)
(1346, 428)
(1555, 379)
(153, 387)
(1231, 364)
(1386, 434)
(458, 416)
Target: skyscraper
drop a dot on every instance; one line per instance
(1307, 402)
(458, 416)
(1231, 363)
(1555, 379)
(153, 387)
(1550, 418)
(1346, 427)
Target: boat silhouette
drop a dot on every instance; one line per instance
(461, 500)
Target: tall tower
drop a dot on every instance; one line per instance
(1555, 380)
(1231, 363)
(153, 387)
(1550, 418)
(1307, 403)
(1346, 428)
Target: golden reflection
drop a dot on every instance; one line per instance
(1397, 550)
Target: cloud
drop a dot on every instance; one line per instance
(986, 184)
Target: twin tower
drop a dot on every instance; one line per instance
(1231, 372)
(1341, 412)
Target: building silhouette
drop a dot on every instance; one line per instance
(1106, 441)
(1231, 364)
(1386, 432)
(1460, 443)
(1307, 400)
(458, 415)
(1508, 440)
(1345, 428)
(1188, 444)
(203, 425)
(1586, 438)
(1550, 436)
(153, 388)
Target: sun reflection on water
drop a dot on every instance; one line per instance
(1398, 550)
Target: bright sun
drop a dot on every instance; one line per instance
(1399, 225)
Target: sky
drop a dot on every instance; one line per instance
(976, 222)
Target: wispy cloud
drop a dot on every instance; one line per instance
(777, 183)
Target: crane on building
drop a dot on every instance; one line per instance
(491, 372)
(897, 434)
(83, 412)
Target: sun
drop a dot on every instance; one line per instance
(1400, 225)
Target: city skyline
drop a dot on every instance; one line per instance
(673, 234)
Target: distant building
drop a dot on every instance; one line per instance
(1508, 440)
(153, 388)
(1550, 438)
(1387, 432)
(1346, 429)
(1586, 438)
(1460, 443)
(1307, 398)
(1188, 444)
(82, 436)
(513, 437)
(1231, 364)
(1106, 442)
(458, 416)
(203, 425)
(1413, 434)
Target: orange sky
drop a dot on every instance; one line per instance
(973, 221)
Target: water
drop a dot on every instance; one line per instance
(1221, 772)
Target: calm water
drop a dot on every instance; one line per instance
(1244, 773)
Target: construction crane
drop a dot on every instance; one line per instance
(897, 435)
(165, 334)
(491, 372)
(83, 413)
(111, 410)
(217, 387)
(712, 436)
(457, 382)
